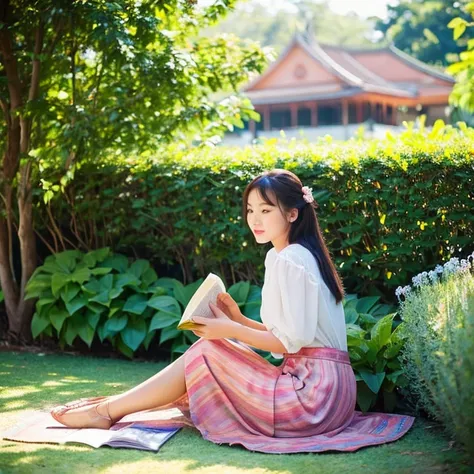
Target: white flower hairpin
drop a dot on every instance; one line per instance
(308, 194)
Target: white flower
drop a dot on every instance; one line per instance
(307, 194)
(433, 276)
(416, 280)
(453, 266)
(402, 291)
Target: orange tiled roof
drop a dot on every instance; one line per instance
(386, 71)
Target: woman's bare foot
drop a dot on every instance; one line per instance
(88, 415)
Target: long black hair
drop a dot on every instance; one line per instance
(305, 230)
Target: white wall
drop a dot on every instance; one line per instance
(338, 132)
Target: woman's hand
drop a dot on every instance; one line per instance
(219, 327)
(227, 305)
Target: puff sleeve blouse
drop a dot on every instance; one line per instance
(297, 306)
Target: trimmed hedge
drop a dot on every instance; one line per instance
(389, 209)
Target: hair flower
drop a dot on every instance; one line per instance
(308, 194)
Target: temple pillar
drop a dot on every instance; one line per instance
(253, 128)
(345, 112)
(359, 112)
(314, 114)
(266, 117)
(294, 115)
(345, 118)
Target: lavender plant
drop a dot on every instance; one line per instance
(438, 314)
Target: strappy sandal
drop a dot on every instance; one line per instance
(92, 418)
(81, 402)
(107, 417)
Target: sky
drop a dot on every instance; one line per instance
(363, 8)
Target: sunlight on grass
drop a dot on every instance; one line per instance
(76, 380)
(423, 449)
(19, 391)
(26, 460)
(52, 383)
(15, 404)
(185, 466)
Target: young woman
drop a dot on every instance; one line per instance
(233, 395)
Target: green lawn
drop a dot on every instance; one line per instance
(30, 382)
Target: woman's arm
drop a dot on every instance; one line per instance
(222, 327)
(226, 303)
(250, 323)
(258, 338)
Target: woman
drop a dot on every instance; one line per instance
(233, 395)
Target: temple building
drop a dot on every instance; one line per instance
(323, 89)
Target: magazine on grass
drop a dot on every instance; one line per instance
(147, 430)
(133, 436)
(199, 303)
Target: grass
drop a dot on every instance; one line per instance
(36, 381)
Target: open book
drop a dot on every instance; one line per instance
(134, 436)
(199, 303)
(147, 430)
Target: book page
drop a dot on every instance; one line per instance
(92, 436)
(150, 439)
(199, 303)
(203, 308)
(138, 437)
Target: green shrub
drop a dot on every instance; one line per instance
(438, 315)
(101, 293)
(94, 293)
(388, 209)
(374, 341)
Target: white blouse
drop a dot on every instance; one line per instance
(297, 306)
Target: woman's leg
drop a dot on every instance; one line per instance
(159, 390)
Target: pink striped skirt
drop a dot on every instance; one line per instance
(307, 404)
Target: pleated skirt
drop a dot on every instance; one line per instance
(307, 404)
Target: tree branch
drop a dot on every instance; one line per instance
(59, 25)
(11, 69)
(35, 74)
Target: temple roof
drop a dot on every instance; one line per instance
(308, 70)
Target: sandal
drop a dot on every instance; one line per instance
(81, 402)
(89, 416)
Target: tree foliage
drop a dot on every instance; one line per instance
(462, 96)
(253, 20)
(418, 27)
(126, 74)
(79, 79)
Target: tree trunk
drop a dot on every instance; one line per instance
(19, 311)
(26, 236)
